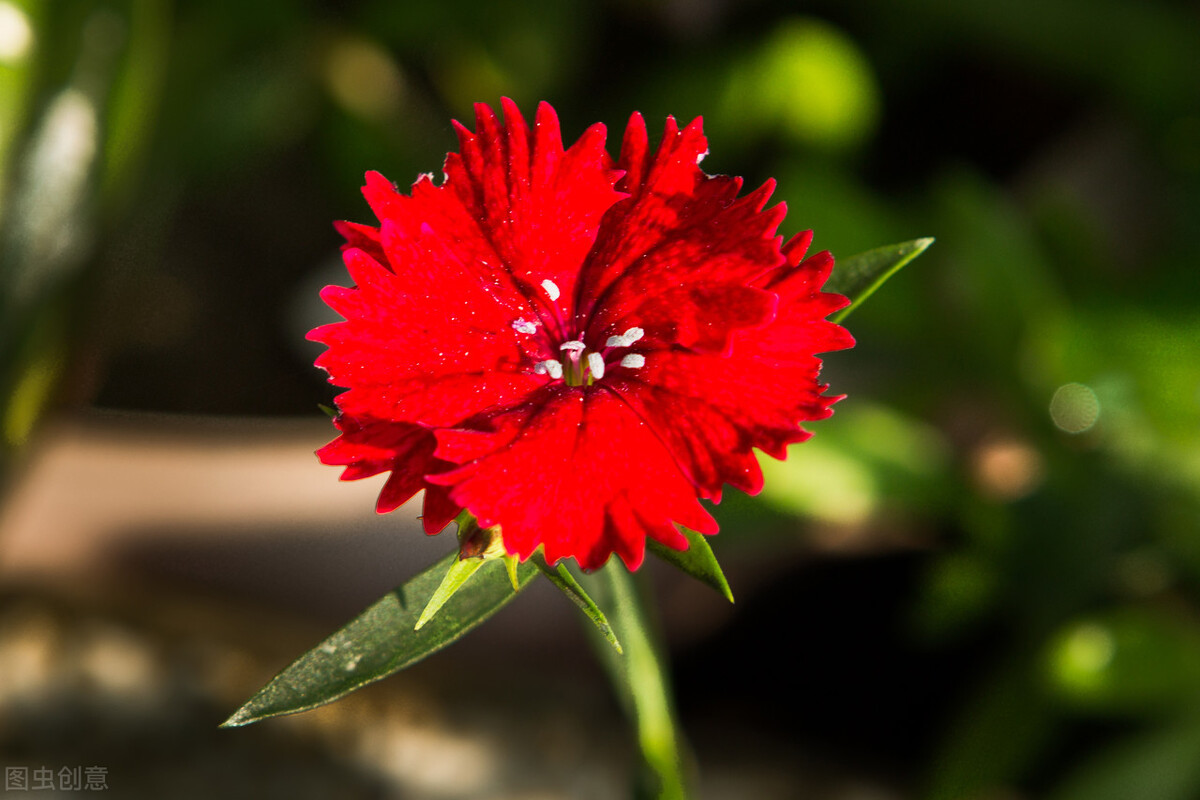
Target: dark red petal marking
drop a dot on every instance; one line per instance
(362, 237)
(711, 410)
(680, 248)
(439, 510)
(573, 470)
(369, 448)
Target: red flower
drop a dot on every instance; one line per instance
(573, 349)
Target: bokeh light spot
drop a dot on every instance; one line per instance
(822, 483)
(1083, 656)
(28, 400)
(1074, 408)
(1007, 469)
(16, 34)
(364, 79)
(812, 83)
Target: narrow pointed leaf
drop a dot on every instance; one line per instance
(858, 276)
(382, 641)
(698, 561)
(561, 577)
(460, 571)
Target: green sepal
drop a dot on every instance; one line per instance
(561, 577)
(858, 276)
(381, 640)
(456, 576)
(698, 561)
(510, 566)
(329, 411)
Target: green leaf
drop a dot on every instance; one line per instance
(642, 680)
(458, 574)
(382, 641)
(698, 561)
(561, 577)
(858, 276)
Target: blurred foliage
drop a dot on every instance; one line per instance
(1025, 403)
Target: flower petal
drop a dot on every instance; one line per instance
(469, 293)
(369, 448)
(363, 237)
(429, 335)
(711, 410)
(538, 205)
(677, 256)
(575, 471)
(424, 344)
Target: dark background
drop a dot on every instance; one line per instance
(980, 578)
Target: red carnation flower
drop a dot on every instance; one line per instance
(572, 349)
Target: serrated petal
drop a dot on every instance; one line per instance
(559, 472)
(712, 410)
(475, 302)
(677, 255)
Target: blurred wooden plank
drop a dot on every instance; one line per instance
(92, 483)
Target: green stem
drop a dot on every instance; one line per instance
(641, 679)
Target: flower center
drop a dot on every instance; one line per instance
(578, 366)
(573, 362)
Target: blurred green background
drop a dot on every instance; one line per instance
(987, 563)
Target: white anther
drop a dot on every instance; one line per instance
(634, 361)
(550, 289)
(548, 367)
(573, 346)
(524, 326)
(625, 339)
(596, 365)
